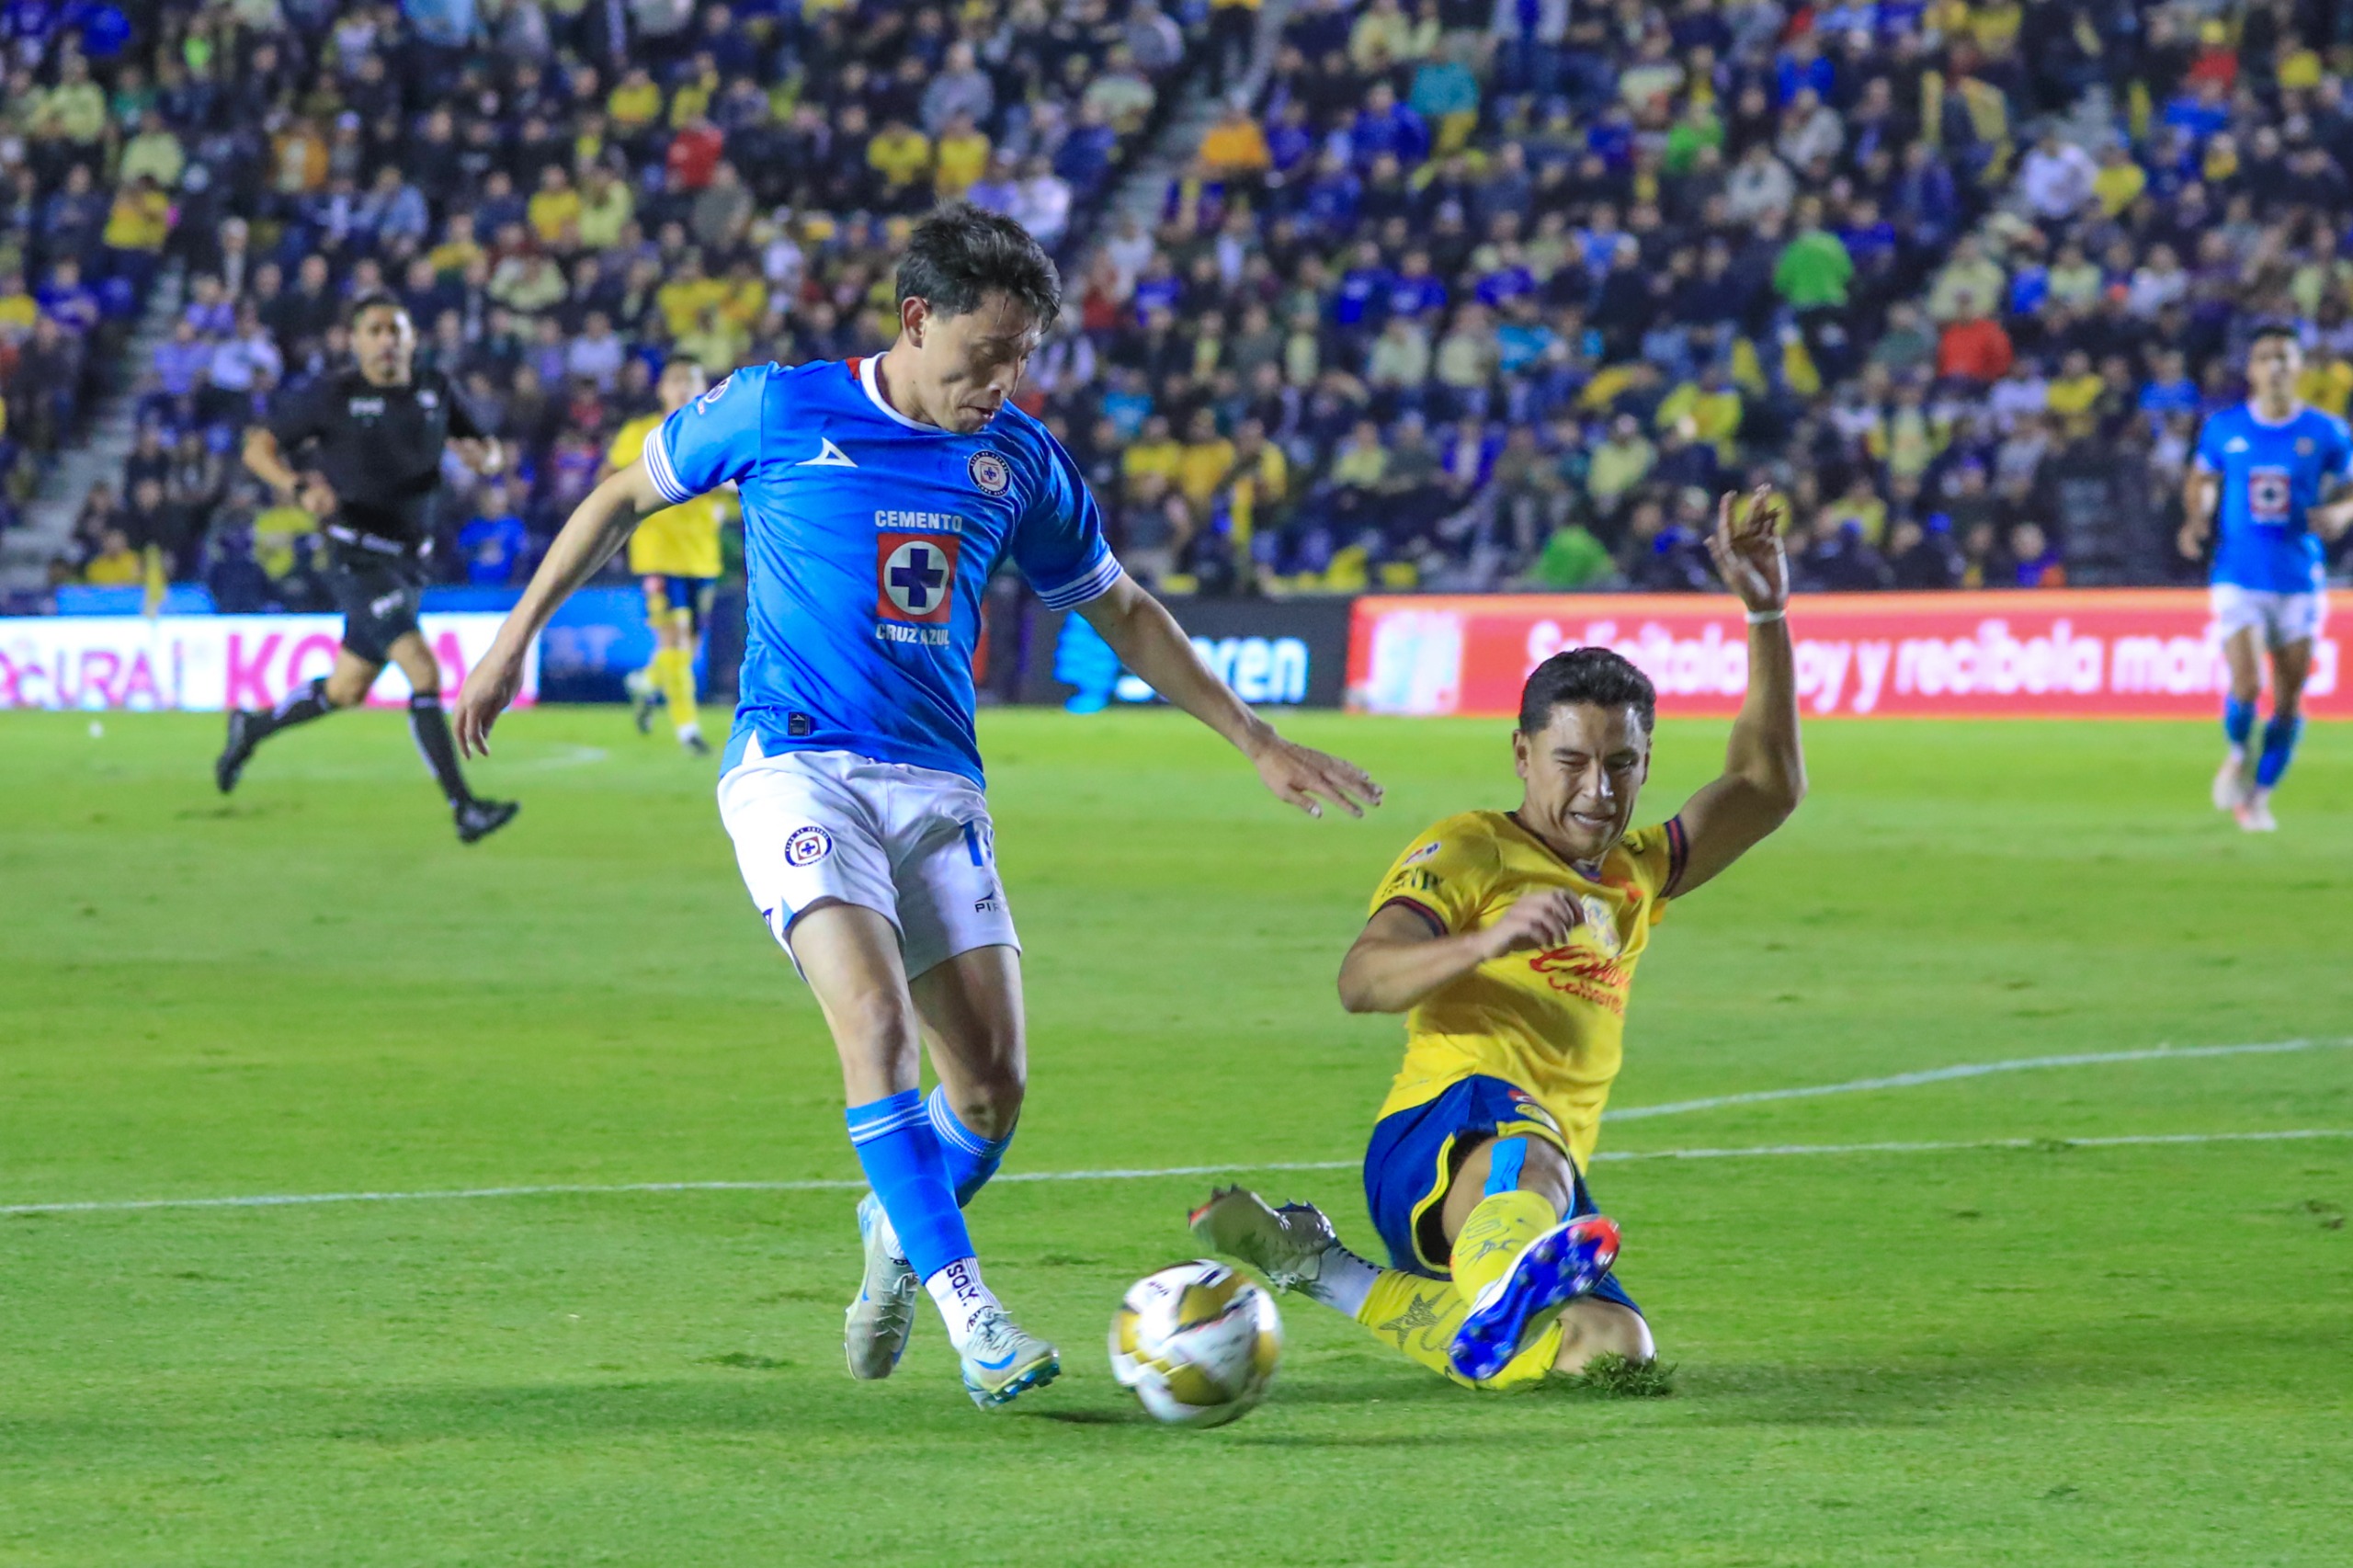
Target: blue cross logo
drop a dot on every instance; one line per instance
(917, 579)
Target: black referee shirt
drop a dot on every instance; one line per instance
(379, 447)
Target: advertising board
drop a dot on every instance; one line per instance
(1274, 652)
(208, 662)
(2059, 653)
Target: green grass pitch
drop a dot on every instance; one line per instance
(2062, 1353)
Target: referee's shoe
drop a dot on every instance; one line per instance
(480, 819)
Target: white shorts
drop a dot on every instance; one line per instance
(914, 845)
(2281, 619)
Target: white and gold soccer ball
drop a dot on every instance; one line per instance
(1198, 1344)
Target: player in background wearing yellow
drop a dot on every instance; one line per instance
(1510, 939)
(675, 554)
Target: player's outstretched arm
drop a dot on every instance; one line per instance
(1149, 642)
(600, 524)
(1763, 776)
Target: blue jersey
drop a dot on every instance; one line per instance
(2271, 477)
(867, 540)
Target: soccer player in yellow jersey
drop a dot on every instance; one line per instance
(675, 553)
(1509, 939)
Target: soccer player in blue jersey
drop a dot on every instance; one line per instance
(2267, 469)
(879, 495)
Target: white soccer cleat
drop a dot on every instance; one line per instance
(2231, 785)
(1001, 1363)
(2254, 814)
(1286, 1244)
(874, 1334)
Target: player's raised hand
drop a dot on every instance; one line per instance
(1747, 549)
(490, 687)
(1306, 778)
(1538, 921)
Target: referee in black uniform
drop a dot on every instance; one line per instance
(367, 440)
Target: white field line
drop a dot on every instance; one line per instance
(1974, 1070)
(1677, 1108)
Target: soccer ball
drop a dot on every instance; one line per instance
(1197, 1342)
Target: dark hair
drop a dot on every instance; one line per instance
(960, 254)
(2273, 329)
(1579, 675)
(375, 299)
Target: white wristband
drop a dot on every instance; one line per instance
(1766, 616)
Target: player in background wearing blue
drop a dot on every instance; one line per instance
(2267, 467)
(879, 495)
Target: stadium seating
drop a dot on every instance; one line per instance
(1538, 277)
(1471, 293)
(562, 207)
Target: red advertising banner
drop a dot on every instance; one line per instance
(2063, 654)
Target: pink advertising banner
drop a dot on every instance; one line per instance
(208, 662)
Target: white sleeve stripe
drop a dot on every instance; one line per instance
(1093, 586)
(657, 465)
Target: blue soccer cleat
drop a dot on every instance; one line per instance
(1512, 1313)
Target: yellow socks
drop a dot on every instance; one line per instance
(1419, 1317)
(1496, 1232)
(673, 673)
(1415, 1316)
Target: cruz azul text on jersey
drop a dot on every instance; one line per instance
(869, 538)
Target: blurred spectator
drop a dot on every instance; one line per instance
(1922, 555)
(2038, 563)
(115, 564)
(1973, 346)
(494, 542)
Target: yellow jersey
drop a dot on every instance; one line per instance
(1553, 1022)
(676, 541)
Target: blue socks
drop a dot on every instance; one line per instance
(906, 1167)
(2238, 722)
(2279, 748)
(972, 1159)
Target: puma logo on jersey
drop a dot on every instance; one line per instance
(2235, 444)
(828, 456)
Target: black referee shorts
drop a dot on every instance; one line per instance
(379, 600)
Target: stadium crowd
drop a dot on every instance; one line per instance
(564, 194)
(1471, 293)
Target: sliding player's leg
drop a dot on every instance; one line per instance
(1522, 1246)
(2241, 651)
(1416, 1314)
(849, 954)
(1426, 1172)
(2292, 664)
